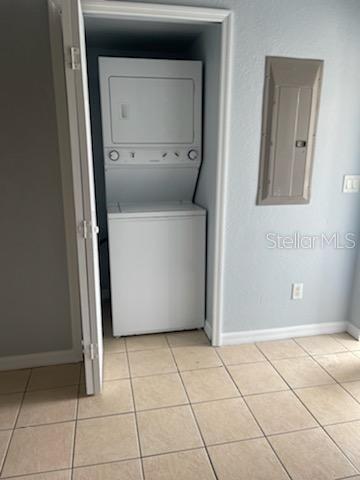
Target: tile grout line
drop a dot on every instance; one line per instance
(337, 382)
(44, 367)
(35, 425)
(357, 420)
(89, 465)
(298, 430)
(305, 406)
(178, 405)
(351, 421)
(168, 345)
(174, 371)
(297, 396)
(163, 454)
(314, 357)
(266, 359)
(307, 355)
(293, 391)
(39, 389)
(193, 413)
(14, 425)
(350, 381)
(79, 386)
(135, 412)
(24, 475)
(165, 406)
(333, 336)
(202, 447)
(69, 420)
(341, 352)
(256, 420)
(267, 440)
(349, 393)
(30, 392)
(36, 390)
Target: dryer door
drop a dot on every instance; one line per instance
(142, 110)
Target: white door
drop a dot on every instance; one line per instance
(73, 38)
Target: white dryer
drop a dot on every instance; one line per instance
(157, 267)
(151, 119)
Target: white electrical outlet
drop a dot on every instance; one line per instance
(351, 184)
(297, 291)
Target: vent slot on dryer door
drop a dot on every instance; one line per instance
(291, 99)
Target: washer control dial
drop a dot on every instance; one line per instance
(193, 154)
(114, 155)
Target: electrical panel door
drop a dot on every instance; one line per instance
(291, 98)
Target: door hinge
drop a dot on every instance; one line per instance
(75, 58)
(90, 350)
(87, 228)
(84, 229)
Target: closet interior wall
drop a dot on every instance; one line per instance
(108, 37)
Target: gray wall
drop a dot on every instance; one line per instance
(257, 283)
(34, 295)
(257, 279)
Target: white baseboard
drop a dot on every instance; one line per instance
(40, 359)
(250, 336)
(353, 331)
(208, 329)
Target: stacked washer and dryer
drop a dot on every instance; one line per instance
(151, 121)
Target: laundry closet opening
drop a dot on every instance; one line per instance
(154, 107)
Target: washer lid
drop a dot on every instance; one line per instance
(158, 209)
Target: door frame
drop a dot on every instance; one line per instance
(195, 15)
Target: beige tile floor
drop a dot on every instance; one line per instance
(174, 408)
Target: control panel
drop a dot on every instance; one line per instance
(147, 156)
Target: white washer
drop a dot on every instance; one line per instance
(152, 131)
(157, 266)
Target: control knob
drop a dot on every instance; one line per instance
(193, 154)
(114, 155)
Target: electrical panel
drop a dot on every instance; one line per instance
(290, 110)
